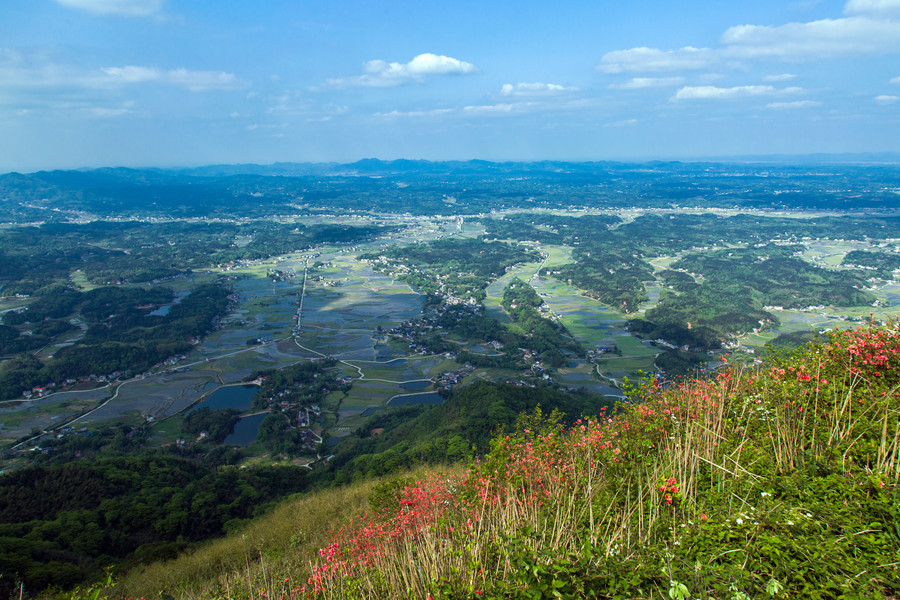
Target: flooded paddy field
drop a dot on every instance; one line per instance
(19, 417)
(345, 309)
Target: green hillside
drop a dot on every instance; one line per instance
(779, 482)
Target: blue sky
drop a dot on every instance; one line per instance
(177, 82)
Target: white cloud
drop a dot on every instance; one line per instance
(879, 8)
(870, 27)
(793, 105)
(814, 40)
(638, 83)
(133, 74)
(488, 109)
(896, 80)
(780, 77)
(433, 64)
(883, 99)
(416, 113)
(124, 8)
(645, 59)
(704, 92)
(196, 81)
(379, 73)
(535, 89)
(201, 81)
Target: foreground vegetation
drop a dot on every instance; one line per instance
(777, 483)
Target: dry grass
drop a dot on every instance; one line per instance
(288, 536)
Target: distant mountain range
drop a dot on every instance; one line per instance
(822, 181)
(372, 166)
(376, 167)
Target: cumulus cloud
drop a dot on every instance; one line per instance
(196, 81)
(122, 8)
(825, 38)
(793, 105)
(380, 73)
(883, 99)
(869, 27)
(896, 80)
(638, 83)
(535, 89)
(711, 92)
(645, 59)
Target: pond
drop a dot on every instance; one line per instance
(420, 384)
(163, 310)
(424, 398)
(245, 430)
(239, 397)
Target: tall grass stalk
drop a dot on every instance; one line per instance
(617, 499)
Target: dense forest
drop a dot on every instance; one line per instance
(60, 524)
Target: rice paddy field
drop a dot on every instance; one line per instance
(346, 305)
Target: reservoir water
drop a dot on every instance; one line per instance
(245, 430)
(416, 385)
(424, 398)
(238, 397)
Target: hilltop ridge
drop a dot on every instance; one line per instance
(776, 483)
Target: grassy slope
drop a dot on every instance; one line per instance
(778, 483)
